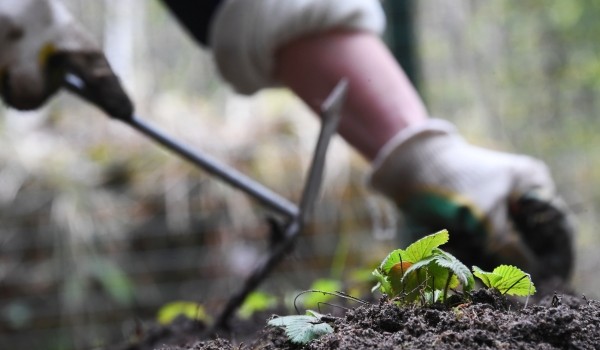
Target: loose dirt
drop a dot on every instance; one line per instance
(487, 321)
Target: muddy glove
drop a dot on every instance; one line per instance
(499, 208)
(39, 43)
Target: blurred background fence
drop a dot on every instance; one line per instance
(100, 228)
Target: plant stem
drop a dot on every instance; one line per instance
(447, 286)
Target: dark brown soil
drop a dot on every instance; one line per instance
(488, 321)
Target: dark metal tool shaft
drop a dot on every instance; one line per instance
(224, 172)
(228, 174)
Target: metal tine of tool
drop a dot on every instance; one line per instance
(330, 116)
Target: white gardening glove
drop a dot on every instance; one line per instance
(245, 34)
(39, 43)
(500, 208)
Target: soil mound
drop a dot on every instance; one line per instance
(487, 321)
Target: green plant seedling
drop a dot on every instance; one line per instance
(301, 329)
(507, 279)
(256, 302)
(422, 271)
(189, 309)
(393, 268)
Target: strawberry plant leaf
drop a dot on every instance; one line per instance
(301, 329)
(414, 252)
(383, 282)
(412, 271)
(423, 248)
(416, 266)
(409, 283)
(514, 281)
(395, 257)
(438, 276)
(507, 279)
(397, 276)
(426, 273)
(417, 272)
(459, 269)
(438, 267)
(433, 296)
(483, 276)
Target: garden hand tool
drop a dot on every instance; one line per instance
(296, 215)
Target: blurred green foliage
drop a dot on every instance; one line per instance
(256, 301)
(189, 309)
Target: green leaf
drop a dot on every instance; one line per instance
(483, 276)
(423, 248)
(408, 271)
(462, 272)
(514, 281)
(383, 282)
(189, 309)
(507, 279)
(256, 302)
(438, 267)
(301, 329)
(416, 266)
(438, 277)
(395, 257)
(414, 279)
(423, 276)
(433, 296)
(422, 268)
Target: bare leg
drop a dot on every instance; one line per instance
(381, 100)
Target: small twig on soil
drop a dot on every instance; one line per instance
(586, 299)
(336, 294)
(330, 304)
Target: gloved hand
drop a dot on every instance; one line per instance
(245, 35)
(39, 43)
(499, 208)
